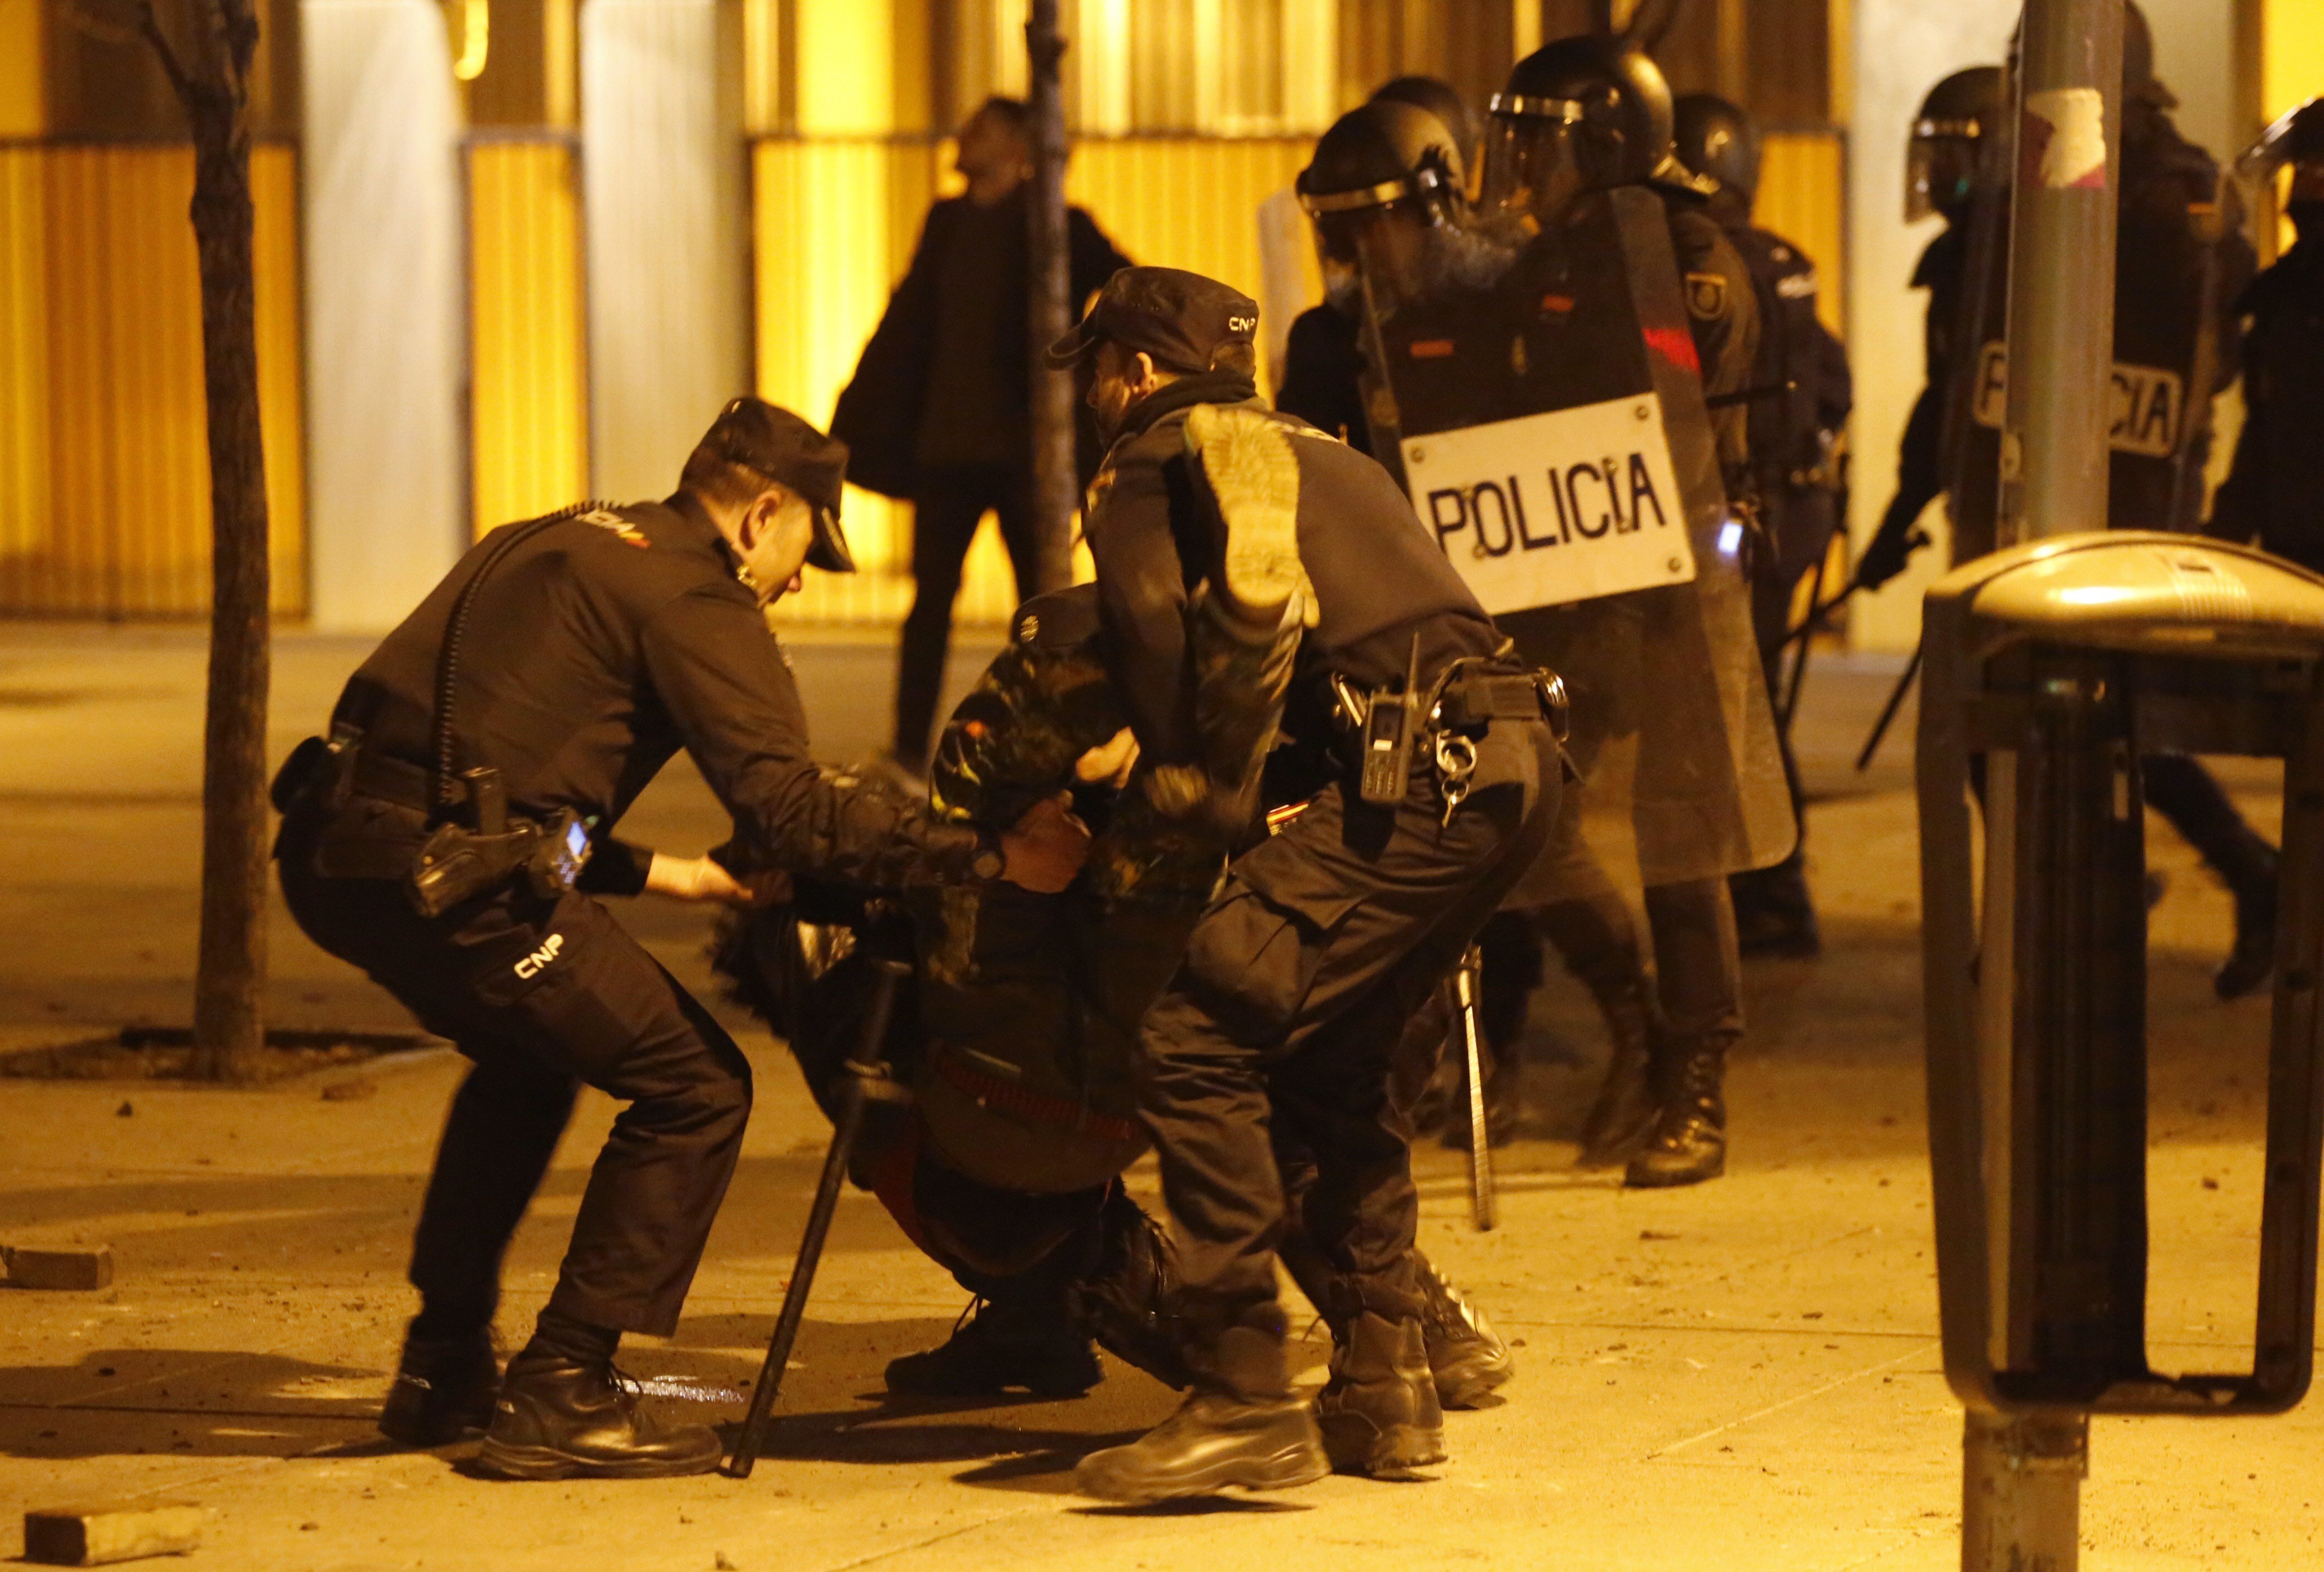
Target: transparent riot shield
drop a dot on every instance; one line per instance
(2179, 262)
(1556, 443)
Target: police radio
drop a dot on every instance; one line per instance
(1387, 722)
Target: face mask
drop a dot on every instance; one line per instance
(2307, 215)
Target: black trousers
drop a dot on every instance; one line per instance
(944, 516)
(2184, 793)
(1287, 1010)
(545, 997)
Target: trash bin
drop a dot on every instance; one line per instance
(2051, 671)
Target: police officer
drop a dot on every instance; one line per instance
(1385, 194)
(2182, 264)
(1020, 1031)
(2271, 494)
(1591, 113)
(1943, 159)
(1799, 407)
(490, 743)
(1440, 779)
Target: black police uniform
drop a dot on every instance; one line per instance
(1789, 433)
(1324, 938)
(602, 640)
(1942, 271)
(1323, 375)
(2275, 492)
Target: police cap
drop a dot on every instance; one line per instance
(1183, 319)
(776, 444)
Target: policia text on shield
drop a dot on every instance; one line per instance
(452, 834)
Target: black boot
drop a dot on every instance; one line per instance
(1029, 1342)
(1240, 1427)
(1123, 1300)
(1622, 1115)
(560, 1418)
(444, 1389)
(1688, 1145)
(1465, 1354)
(1775, 916)
(1380, 1412)
(2252, 962)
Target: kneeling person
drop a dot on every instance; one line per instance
(478, 762)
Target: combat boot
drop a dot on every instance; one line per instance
(562, 1419)
(2251, 961)
(1240, 1428)
(1123, 1301)
(1622, 1115)
(999, 1346)
(1378, 1412)
(1465, 1354)
(444, 1389)
(1688, 1145)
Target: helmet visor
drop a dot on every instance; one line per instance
(1940, 168)
(1533, 164)
(1383, 247)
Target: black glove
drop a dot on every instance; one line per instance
(1892, 547)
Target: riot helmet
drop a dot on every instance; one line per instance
(1942, 158)
(1718, 142)
(2296, 139)
(1584, 113)
(1447, 103)
(1382, 179)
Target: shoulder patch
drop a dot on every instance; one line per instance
(620, 528)
(1706, 296)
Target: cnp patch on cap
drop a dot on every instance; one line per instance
(1183, 319)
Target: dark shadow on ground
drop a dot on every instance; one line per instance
(202, 1402)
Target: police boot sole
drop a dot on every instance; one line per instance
(1643, 1175)
(1287, 1468)
(1255, 475)
(1355, 1445)
(1470, 1383)
(509, 1460)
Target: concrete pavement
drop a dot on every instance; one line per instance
(1742, 1375)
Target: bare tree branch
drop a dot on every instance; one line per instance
(149, 24)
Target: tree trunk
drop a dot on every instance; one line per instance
(231, 973)
(1056, 481)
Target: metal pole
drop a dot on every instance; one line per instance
(2053, 440)
(1056, 476)
(2021, 1492)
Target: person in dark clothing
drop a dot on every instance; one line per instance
(1583, 114)
(1324, 938)
(1946, 149)
(2271, 496)
(2182, 264)
(939, 410)
(493, 738)
(1793, 437)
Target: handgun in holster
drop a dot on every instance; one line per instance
(459, 861)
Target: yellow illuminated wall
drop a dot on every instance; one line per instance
(529, 417)
(104, 453)
(1803, 185)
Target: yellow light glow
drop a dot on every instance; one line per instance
(475, 39)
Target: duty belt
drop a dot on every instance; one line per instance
(1007, 1097)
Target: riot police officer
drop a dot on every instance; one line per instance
(1323, 939)
(1592, 114)
(450, 836)
(1797, 411)
(1942, 159)
(2271, 494)
(2181, 262)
